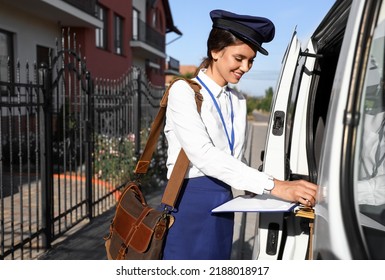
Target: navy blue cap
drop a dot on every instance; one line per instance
(254, 30)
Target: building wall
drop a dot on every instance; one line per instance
(105, 62)
(29, 32)
(156, 75)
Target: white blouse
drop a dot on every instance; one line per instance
(204, 139)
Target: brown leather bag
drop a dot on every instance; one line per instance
(138, 231)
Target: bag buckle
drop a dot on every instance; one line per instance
(167, 209)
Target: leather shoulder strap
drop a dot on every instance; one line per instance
(193, 84)
(174, 184)
(157, 125)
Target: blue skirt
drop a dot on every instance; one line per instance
(198, 234)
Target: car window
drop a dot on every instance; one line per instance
(295, 145)
(370, 156)
(275, 157)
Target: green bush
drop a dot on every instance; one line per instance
(260, 103)
(115, 161)
(114, 158)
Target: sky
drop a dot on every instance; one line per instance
(193, 20)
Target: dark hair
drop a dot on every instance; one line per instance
(217, 41)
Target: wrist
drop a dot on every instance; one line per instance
(269, 185)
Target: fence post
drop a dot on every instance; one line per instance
(89, 134)
(138, 114)
(45, 79)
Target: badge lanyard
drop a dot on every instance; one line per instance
(231, 141)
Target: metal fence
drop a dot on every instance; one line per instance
(68, 141)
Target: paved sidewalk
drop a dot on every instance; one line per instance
(86, 241)
(85, 244)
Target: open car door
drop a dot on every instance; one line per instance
(281, 235)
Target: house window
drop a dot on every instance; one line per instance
(101, 33)
(157, 20)
(135, 24)
(6, 59)
(154, 19)
(118, 34)
(42, 55)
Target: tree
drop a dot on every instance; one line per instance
(265, 103)
(260, 103)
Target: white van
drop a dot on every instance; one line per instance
(327, 126)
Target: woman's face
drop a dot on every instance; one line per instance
(231, 63)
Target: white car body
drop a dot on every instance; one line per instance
(324, 96)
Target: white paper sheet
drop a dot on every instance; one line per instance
(257, 203)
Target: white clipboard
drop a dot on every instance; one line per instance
(257, 203)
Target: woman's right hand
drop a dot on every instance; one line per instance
(300, 191)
